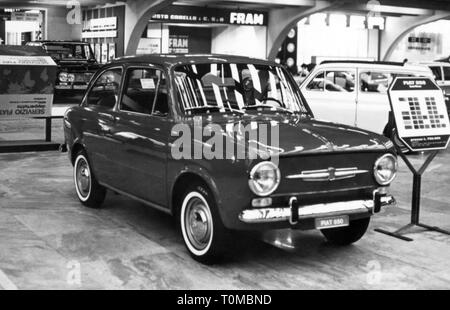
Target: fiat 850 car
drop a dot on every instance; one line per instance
(154, 128)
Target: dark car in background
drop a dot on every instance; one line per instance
(76, 65)
(318, 175)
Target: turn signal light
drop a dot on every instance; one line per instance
(261, 202)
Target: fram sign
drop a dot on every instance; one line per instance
(247, 18)
(185, 14)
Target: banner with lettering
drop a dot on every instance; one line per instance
(27, 80)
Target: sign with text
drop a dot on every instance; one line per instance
(178, 44)
(26, 84)
(106, 23)
(420, 113)
(190, 14)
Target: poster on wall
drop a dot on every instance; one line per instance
(111, 51)
(149, 46)
(92, 48)
(26, 83)
(98, 52)
(104, 58)
(179, 44)
(425, 42)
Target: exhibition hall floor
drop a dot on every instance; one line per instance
(48, 240)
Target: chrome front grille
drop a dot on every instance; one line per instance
(329, 174)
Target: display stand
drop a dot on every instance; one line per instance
(19, 146)
(415, 203)
(422, 124)
(28, 83)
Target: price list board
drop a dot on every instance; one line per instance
(420, 113)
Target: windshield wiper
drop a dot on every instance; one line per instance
(272, 108)
(203, 108)
(214, 109)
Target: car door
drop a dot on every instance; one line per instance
(99, 122)
(331, 95)
(372, 110)
(142, 131)
(373, 107)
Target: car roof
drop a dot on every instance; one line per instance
(176, 59)
(374, 66)
(435, 63)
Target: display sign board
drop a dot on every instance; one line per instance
(420, 113)
(192, 14)
(178, 44)
(26, 16)
(99, 34)
(100, 28)
(149, 46)
(27, 82)
(106, 23)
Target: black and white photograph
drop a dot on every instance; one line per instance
(225, 152)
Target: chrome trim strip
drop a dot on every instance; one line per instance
(370, 187)
(265, 215)
(329, 174)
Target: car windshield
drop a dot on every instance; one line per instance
(224, 88)
(69, 51)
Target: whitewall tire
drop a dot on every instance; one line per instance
(89, 192)
(203, 233)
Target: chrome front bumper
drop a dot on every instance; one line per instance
(276, 214)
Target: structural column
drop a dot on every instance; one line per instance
(137, 15)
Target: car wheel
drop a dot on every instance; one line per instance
(203, 233)
(349, 234)
(89, 192)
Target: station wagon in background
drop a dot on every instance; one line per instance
(121, 138)
(355, 93)
(76, 65)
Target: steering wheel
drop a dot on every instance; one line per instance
(272, 99)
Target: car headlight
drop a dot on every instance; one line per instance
(264, 178)
(63, 76)
(385, 169)
(70, 77)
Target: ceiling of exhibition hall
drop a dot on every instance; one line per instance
(362, 5)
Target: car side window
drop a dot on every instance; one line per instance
(375, 82)
(436, 72)
(105, 90)
(378, 82)
(340, 81)
(317, 82)
(334, 81)
(145, 92)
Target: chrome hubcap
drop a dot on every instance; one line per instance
(198, 223)
(83, 177)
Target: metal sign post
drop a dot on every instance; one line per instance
(422, 124)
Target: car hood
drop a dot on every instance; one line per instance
(297, 134)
